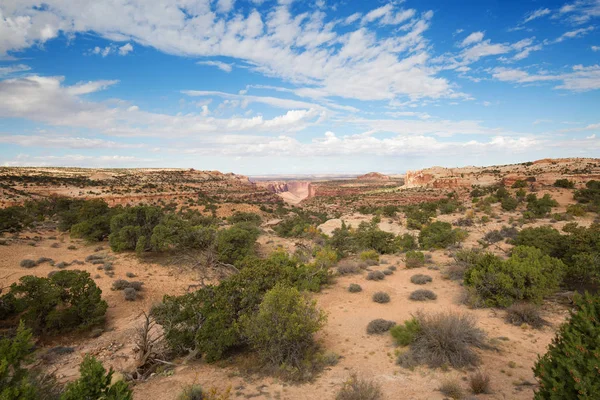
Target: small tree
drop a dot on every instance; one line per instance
(440, 235)
(282, 329)
(14, 382)
(570, 368)
(95, 383)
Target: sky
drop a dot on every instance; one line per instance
(297, 87)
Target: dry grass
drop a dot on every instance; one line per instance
(354, 288)
(375, 276)
(479, 382)
(452, 389)
(445, 339)
(422, 295)
(356, 388)
(525, 313)
(420, 279)
(379, 326)
(381, 297)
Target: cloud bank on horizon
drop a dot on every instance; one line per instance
(288, 86)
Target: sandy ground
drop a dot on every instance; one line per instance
(345, 333)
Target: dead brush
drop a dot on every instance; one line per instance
(356, 388)
(149, 348)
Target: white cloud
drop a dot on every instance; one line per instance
(574, 34)
(125, 49)
(580, 79)
(14, 69)
(112, 49)
(541, 12)
(580, 11)
(305, 49)
(377, 13)
(219, 64)
(484, 49)
(473, 38)
(595, 48)
(65, 142)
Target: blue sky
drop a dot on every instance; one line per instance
(290, 86)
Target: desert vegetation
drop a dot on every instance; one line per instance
(229, 282)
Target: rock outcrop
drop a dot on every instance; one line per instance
(541, 172)
(292, 192)
(373, 176)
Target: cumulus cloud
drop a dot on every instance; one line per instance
(579, 79)
(473, 38)
(305, 49)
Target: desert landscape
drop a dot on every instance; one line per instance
(184, 261)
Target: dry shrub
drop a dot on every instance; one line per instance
(422, 295)
(479, 382)
(348, 267)
(354, 288)
(379, 325)
(452, 389)
(356, 388)
(130, 294)
(444, 339)
(525, 313)
(455, 272)
(420, 279)
(375, 276)
(388, 272)
(381, 297)
(28, 263)
(191, 392)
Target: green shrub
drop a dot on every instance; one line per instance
(379, 326)
(381, 297)
(564, 183)
(206, 322)
(405, 242)
(589, 196)
(132, 228)
(545, 238)
(354, 288)
(569, 370)
(281, 332)
(95, 383)
(14, 378)
(527, 275)
(369, 236)
(519, 184)
(415, 259)
(439, 235)
(356, 388)
(250, 217)
(342, 240)
(542, 206)
(235, 243)
(576, 210)
(67, 300)
(406, 333)
(369, 256)
(509, 203)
